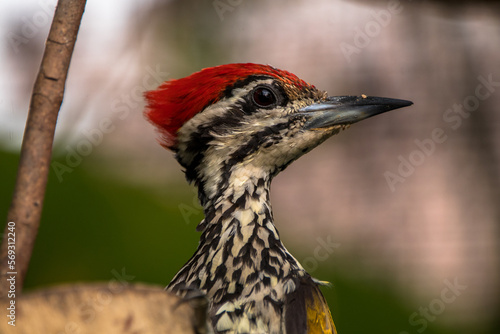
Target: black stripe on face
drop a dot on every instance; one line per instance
(248, 106)
(257, 140)
(228, 92)
(199, 140)
(226, 123)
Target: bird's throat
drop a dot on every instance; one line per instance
(239, 248)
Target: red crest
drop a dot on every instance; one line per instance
(176, 101)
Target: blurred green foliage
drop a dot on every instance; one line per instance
(94, 228)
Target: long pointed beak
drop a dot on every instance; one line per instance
(343, 110)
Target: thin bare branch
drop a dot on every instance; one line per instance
(24, 214)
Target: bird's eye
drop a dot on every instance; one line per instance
(264, 97)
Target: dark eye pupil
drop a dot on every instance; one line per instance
(263, 97)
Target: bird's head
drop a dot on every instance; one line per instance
(252, 116)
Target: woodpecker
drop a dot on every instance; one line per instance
(233, 128)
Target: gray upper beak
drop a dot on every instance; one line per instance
(343, 110)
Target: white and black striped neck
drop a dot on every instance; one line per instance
(240, 262)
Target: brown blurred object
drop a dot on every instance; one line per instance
(106, 308)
